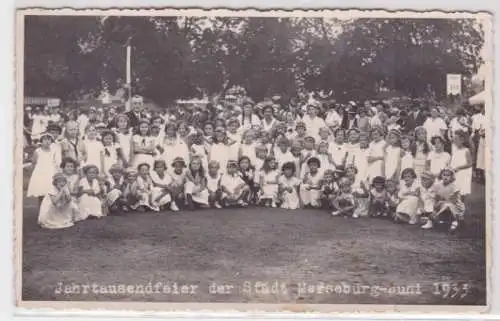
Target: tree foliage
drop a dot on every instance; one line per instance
(182, 57)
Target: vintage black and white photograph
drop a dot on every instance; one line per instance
(286, 158)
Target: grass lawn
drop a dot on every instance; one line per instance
(245, 246)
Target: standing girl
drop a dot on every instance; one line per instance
(406, 154)
(219, 151)
(143, 146)
(45, 166)
(461, 163)
(124, 138)
(392, 156)
(420, 151)
(438, 158)
(376, 154)
(91, 148)
(338, 149)
(111, 153)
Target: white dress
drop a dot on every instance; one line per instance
(93, 150)
(338, 152)
(408, 204)
(463, 178)
(248, 150)
(41, 177)
(125, 141)
(220, 153)
(88, 204)
(392, 162)
(57, 215)
(438, 161)
(427, 199)
(406, 160)
(144, 191)
(146, 142)
(359, 158)
(311, 196)
(110, 157)
(200, 197)
(39, 126)
(282, 158)
(230, 182)
(213, 182)
(269, 191)
(291, 200)
(376, 149)
(158, 195)
(313, 124)
(200, 151)
(234, 146)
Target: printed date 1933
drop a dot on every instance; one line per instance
(451, 290)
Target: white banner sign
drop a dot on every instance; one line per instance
(453, 84)
(53, 102)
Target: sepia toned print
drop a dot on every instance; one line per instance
(287, 161)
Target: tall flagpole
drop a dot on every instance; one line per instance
(129, 74)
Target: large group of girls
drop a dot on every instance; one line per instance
(410, 166)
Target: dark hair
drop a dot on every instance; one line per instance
(159, 161)
(289, 165)
(142, 121)
(142, 164)
(313, 160)
(201, 171)
(67, 160)
(434, 138)
(250, 166)
(411, 171)
(108, 133)
(265, 166)
(378, 180)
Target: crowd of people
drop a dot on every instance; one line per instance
(410, 164)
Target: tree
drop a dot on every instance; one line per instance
(56, 62)
(407, 55)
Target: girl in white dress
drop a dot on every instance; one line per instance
(392, 156)
(409, 196)
(461, 163)
(198, 149)
(269, 182)
(115, 184)
(144, 189)
(420, 151)
(359, 190)
(406, 154)
(196, 185)
(178, 175)
(111, 153)
(353, 145)
(45, 166)
(376, 154)
(338, 149)
(91, 149)
(160, 193)
(324, 157)
(233, 188)
(219, 150)
(307, 152)
(247, 148)
(124, 139)
(169, 149)
(213, 184)
(234, 138)
(39, 126)
(282, 152)
(90, 205)
(143, 146)
(288, 187)
(359, 158)
(268, 122)
(310, 189)
(58, 208)
(438, 158)
(248, 118)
